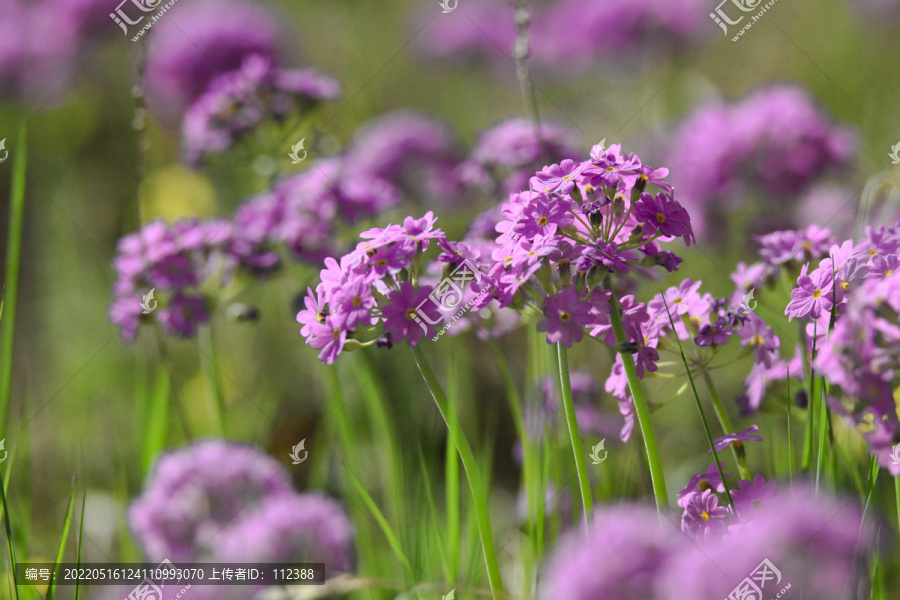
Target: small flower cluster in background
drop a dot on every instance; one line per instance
(773, 144)
(569, 33)
(811, 539)
(222, 502)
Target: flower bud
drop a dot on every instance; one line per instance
(801, 399)
(596, 218)
(619, 205)
(243, 313)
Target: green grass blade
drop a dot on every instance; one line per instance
(9, 538)
(451, 476)
(80, 539)
(709, 438)
(13, 254)
(156, 421)
(379, 518)
(61, 549)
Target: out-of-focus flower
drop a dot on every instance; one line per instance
(510, 153)
(702, 482)
(752, 496)
(296, 528)
(637, 547)
(193, 494)
(775, 138)
(408, 149)
(209, 39)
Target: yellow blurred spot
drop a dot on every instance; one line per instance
(174, 193)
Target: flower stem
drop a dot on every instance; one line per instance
(641, 408)
(574, 435)
(476, 484)
(739, 457)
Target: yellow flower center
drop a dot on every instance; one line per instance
(703, 485)
(661, 217)
(817, 294)
(873, 252)
(564, 316)
(356, 302)
(542, 221)
(705, 516)
(678, 300)
(845, 285)
(889, 272)
(756, 340)
(336, 334)
(411, 314)
(610, 169)
(382, 262)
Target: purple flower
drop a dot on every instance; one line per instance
(565, 317)
(812, 295)
(183, 315)
(754, 332)
(557, 179)
(511, 153)
(328, 337)
(703, 517)
(665, 215)
(716, 333)
(639, 548)
(194, 493)
(704, 481)
(818, 544)
(737, 439)
(401, 316)
(295, 528)
(351, 303)
(210, 38)
(753, 496)
(542, 216)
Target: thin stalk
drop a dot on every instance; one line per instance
(810, 417)
(214, 385)
(476, 485)
(790, 430)
(740, 457)
(709, 438)
(823, 416)
(13, 255)
(641, 408)
(565, 385)
(451, 485)
(897, 497)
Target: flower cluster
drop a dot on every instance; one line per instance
(379, 290)
(510, 152)
(579, 222)
(237, 102)
(776, 138)
(223, 73)
(814, 541)
(184, 263)
(851, 305)
(229, 503)
(569, 33)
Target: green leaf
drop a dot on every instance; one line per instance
(51, 591)
(9, 538)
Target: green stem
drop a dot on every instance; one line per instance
(11, 285)
(739, 457)
(574, 435)
(641, 409)
(214, 385)
(823, 415)
(897, 495)
(476, 485)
